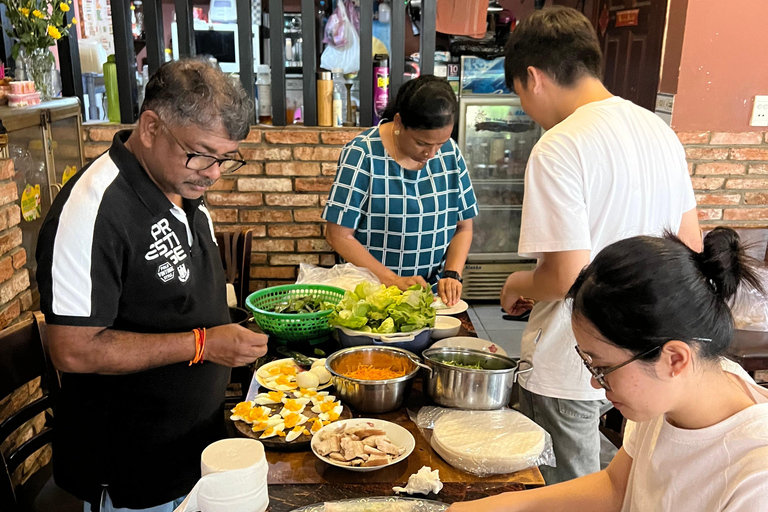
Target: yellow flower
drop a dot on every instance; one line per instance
(64, 7)
(37, 14)
(74, 21)
(54, 32)
(24, 11)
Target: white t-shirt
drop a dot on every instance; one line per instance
(722, 468)
(609, 171)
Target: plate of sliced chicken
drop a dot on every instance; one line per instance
(363, 444)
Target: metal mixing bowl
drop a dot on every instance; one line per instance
(372, 396)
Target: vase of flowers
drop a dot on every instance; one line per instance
(36, 25)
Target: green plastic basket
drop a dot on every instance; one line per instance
(293, 327)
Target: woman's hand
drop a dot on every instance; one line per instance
(499, 503)
(406, 282)
(449, 291)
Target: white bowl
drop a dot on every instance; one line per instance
(471, 342)
(399, 436)
(445, 327)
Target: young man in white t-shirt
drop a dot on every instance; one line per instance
(604, 170)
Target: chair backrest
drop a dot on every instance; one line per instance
(22, 359)
(235, 252)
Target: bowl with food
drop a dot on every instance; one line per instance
(373, 379)
(294, 312)
(445, 327)
(362, 444)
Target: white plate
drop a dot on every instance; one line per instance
(399, 436)
(472, 343)
(457, 308)
(281, 362)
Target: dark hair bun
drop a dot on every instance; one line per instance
(725, 263)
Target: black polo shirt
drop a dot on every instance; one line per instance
(115, 252)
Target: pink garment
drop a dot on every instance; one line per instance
(462, 17)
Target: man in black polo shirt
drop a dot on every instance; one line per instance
(128, 267)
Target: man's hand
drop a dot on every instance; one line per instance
(449, 291)
(233, 345)
(406, 282)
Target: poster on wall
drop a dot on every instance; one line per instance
(96, 22)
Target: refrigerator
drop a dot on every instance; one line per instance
(496, 138)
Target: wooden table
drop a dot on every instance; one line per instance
(298, 479)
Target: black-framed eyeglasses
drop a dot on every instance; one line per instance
(201, 162)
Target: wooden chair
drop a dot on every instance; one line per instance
(23, 357)
(235, 252)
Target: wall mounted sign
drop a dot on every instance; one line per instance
(628, 18)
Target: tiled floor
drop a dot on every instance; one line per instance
(489, 324)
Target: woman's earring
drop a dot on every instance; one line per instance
(397, 132)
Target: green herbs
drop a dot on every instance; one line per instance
(306, 304)
(377, 309)
(475, 366)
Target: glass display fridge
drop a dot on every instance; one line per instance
(496, 137)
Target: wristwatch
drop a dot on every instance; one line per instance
(452, 274)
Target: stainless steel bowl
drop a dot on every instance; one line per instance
(468, 388)
(372, 396)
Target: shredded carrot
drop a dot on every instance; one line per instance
(368, 372)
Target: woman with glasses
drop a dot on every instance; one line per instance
(652, 321)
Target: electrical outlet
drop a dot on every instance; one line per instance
(759, 112)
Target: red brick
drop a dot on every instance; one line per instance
(254, 136)
(10, 240)
(14, 286)
(756, 198)
(274, 272)
(258, 258)
(19, 256)
(268, 245)
(746, 183)
(746, 214)
(8, 193)
(224, 184)
(291, 199)
(26, 300)
(219, 199)
(735, 138)
(104, 134)
(693, 137)
(294, 231)
(258, 231)
(6, 268)
(91, 151)
(280, 282)
(690, 169)
(327, 260)
(318, 245)
(293, 169)
(9, 313)
(6, 169)
(323, 201)
(705, 153)
(314, 184)
(257, 285)
(293, 259)
(264, 185)
(707, 183)
(710, 214)
(317, 153)
(265, 153)
(256, 216)
(329, 169)
(250, 169)
(749, 154)
(308, 215)
(720, 168)
(721, 199)
(292, 137)
(10, 216)
(228, 216)
(338, 137)
(758, 169)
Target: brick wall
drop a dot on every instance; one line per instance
(15, 301)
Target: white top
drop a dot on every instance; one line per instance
(609, 171)
(722, 468)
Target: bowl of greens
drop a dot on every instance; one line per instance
(295, 312)
(374, 314)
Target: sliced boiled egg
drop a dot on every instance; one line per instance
(269, 422)
(241, 411)
(257, 414)
(293, 434)
(292, 420)
(317, 424)
(273, 397)
(288, 369)
(333, 414)
(323, 407)
(273, 431)
(323, 396)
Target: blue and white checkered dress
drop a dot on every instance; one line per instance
(404, 218)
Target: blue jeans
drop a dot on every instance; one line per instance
(165, 507)
(573, 424)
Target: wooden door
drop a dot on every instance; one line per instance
(631, 34)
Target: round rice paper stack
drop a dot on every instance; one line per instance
(488, 442)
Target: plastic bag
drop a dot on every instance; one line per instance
(750, 307)
(343, 50)
(485, 443)
(345, 275)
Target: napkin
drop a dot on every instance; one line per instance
(423, 481)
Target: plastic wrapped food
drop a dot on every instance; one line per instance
(486, 443)
(750, 307)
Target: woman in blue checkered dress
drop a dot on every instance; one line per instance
(402, 202)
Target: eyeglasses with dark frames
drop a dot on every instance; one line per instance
(200, 162)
